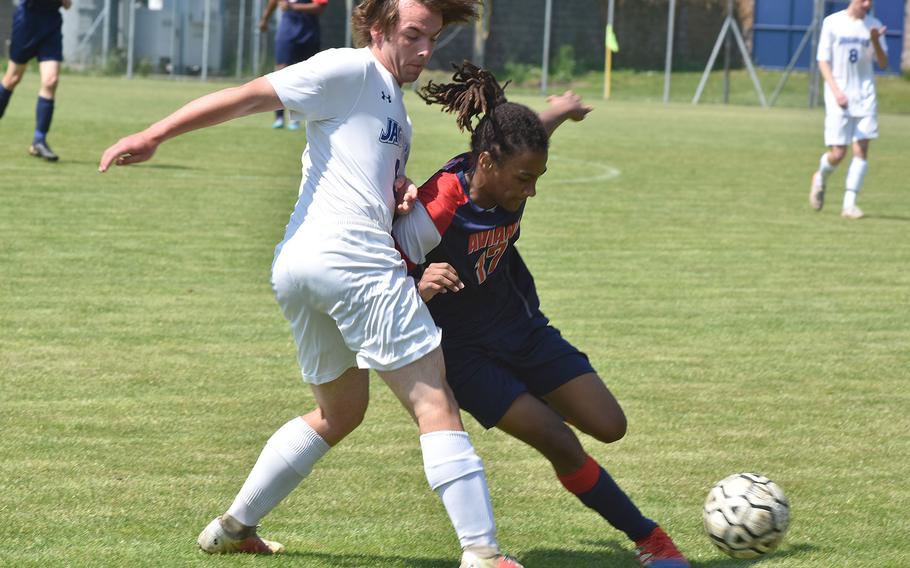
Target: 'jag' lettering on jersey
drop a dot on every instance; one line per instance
(392, 133)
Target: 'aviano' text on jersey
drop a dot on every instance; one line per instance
(446, 226)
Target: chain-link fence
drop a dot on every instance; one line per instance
(221, 38)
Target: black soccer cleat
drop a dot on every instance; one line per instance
(42, 150)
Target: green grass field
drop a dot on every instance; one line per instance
(143, 361)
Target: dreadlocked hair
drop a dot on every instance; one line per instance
(474, 91)
(503, 129)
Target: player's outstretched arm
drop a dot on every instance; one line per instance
(221, 106)
(438, 278)
(567, 106)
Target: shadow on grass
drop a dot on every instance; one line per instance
(359, 560)
(795, 551)
(888, 218)
(538, 558)
(613, 554)
(94, 163)
(160, 166)
(620, 555)
(65, 162)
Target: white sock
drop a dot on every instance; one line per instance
(455, 472)
(825, 168)
(286, 459)
(856, 173)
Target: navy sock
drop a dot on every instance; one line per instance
(596, 489)
(44, 112)
(5, 94)
(279, 114)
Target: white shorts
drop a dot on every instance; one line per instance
(842, 130)
(346, 293)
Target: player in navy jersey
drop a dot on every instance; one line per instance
(36, 34)
(506, 364)
(297, 38)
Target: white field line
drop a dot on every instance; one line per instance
(601, 171)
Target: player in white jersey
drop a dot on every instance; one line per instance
(851, 40)
(336, 274)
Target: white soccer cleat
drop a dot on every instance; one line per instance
(817, 192)
(215, 540)
(852, 213)
(471, 559)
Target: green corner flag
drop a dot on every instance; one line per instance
(612, 44)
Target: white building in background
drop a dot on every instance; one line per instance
(168, 34)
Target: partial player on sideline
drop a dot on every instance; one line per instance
(36, 35)
(849, 43)
(337, 276)
(297, 38)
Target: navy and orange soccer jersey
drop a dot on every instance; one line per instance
(496, 342)
(446, 226)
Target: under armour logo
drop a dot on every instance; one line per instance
(385, 97)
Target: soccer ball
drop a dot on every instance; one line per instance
(746, 515)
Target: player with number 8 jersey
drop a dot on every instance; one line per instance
(846, 44)
(851, 41)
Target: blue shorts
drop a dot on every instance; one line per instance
(488, 374)
(291, 52)
(36, 33)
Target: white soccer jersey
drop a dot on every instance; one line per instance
(845, 43)
(358, 135)
(337, 276)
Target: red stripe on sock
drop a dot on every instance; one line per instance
(584, 479)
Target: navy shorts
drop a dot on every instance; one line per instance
(36, 33)
(488, 374)
(291, 52)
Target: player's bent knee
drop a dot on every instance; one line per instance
(12, 79)
(349, 422)
(442, 417)
(567, 458)
(611, 429)
(337, 425)
(618, 427)
(434, 405)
